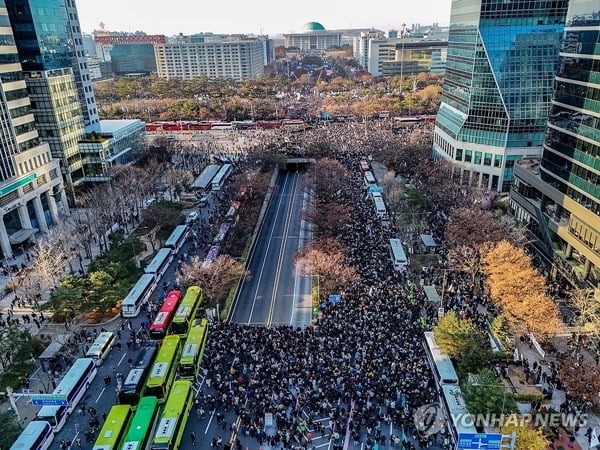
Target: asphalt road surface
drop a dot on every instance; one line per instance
(274, 292)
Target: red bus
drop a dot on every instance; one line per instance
(364, 167)
(201, 126)
(268, 124)
(159, 327)
(428, 118)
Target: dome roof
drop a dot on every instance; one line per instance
(314, 26)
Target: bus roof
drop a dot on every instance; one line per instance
(116, 419)
(67, 383)
(176, 235)
(165, 357)
(141, 423)
(204, 179)
(431, 293)
(158, 260)
(174, 407)
(31, 432)
(139, 287)
(146, 355)
(379, 204)
(99, 342)
(397, 249)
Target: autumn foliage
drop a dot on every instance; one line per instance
(520, 291)
(326, 258)
(580, 379)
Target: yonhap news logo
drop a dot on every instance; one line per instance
(429, 419)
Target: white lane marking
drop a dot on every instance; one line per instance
(209, 421)
(122, 358)
(100, 395)
(301, 238)
(267, 250)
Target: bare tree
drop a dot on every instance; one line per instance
(326, 259)
(215, 279)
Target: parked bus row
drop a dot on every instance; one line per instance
(451, 399)
(146, 284)
(184, 125)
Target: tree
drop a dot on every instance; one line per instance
(487, 395)
(471, 232)
(215, 279)
(500, 328)
(10, 428)
(587, 304)
(580, 379)
(527, 437)
(520, 291)
(331, 179)
(455, 335)
(326, 258)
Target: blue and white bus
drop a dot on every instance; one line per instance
(160, 263)
(369, 179)
(455, 410)
(398, 255)
(440, 363)
(139, 294)
(73, 385)
(177, 238)
(203, 182)
(37, 435)
(101, 346)
(219, 180)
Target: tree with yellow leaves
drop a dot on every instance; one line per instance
(520, 291)
(527, 438)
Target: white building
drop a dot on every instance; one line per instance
(314, 38)
(238, 59)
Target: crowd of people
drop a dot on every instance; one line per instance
(361, 366)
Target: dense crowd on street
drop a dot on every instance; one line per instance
(361, 366)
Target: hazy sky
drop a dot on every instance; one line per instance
(256, 16)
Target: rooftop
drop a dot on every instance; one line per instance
(110, 126)
(530, 164)
(314, 26)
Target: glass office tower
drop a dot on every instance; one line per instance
(559, 196)
(502, 57)
(30, 181)
(45, 45)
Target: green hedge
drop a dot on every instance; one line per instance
(528, 398)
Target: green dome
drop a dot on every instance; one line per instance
(314, 26)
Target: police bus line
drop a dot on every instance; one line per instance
(451, 399)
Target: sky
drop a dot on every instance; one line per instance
(256, 16)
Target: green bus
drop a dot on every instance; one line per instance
(186, 312)
(112, 432)
(193, 350)
(139, 432)
(171, 426)
(164, 368)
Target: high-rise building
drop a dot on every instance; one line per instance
(81, 72)
(502, 57)
(44, 33)
(31, 186)
(558, 197)
(238, 59)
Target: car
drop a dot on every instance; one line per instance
(191, 217)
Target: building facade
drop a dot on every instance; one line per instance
(109, 144)
(58, 119)
(238, 59)
(314, 38)
(81, 72)
(31, 186)
(502, 57)
(45, 36)
(558, 196)
(133, 58)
